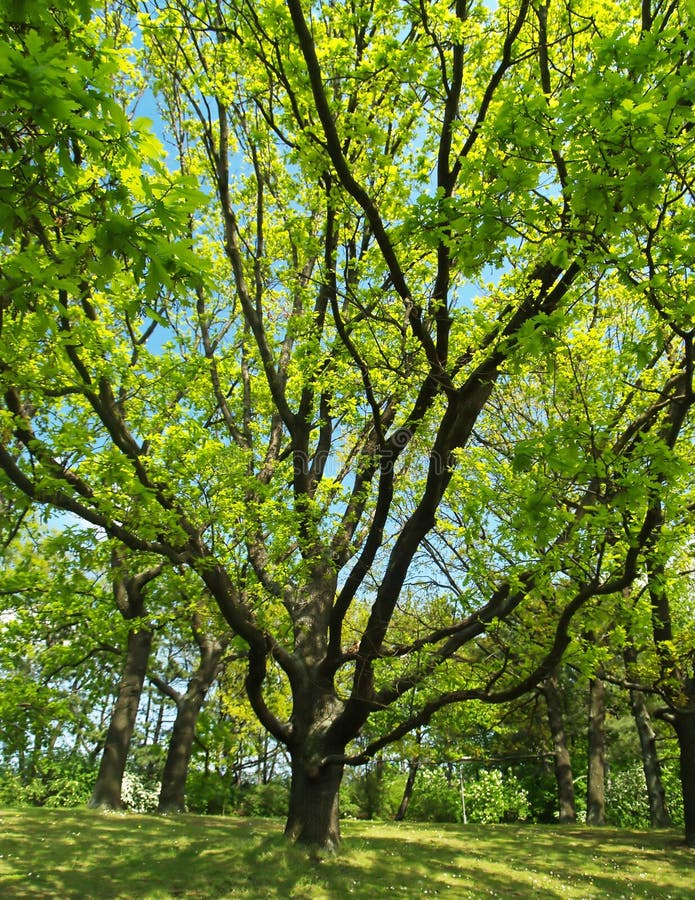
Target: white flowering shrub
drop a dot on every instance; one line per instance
(137, 795)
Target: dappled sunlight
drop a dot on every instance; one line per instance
(86, 854)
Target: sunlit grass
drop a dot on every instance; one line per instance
(85, 854)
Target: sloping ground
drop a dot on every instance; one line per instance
(85, 854)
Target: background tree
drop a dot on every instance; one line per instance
(60, 639)
(660, 660)
(567, 812)
(129, 589)
(211, 647)
(659, 816)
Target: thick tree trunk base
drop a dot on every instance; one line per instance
(172, 794)
(171, 808)
(107, 789)
(103, 805)
(106, 795)
(313, 819)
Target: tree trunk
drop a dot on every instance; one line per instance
(684, 725)
(408, 790)
(682, 720)
(562, 760)
(172, 795)
(107, 789)
(313, 817)
(375, 792)
(596, 775)
(659, 816)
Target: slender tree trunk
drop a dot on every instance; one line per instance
(376, 797)
(148, 710)
(408, 790)
(107, 789)
(172, 795)
(563, 763)
(659, 816)
(596, 775)
(313, 817)
(684, 725)
(272, 762)
(263, 759)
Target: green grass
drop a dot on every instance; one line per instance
(83, 854)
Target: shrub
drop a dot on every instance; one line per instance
(436, 798)
(207, 792)
(372, 794)
(541, 790)
(69, 782)
(670, 775)
(61, 780)
(13, 791)
(271, 799)
(138, 795)
(626, 799)
(627, 804)
(494, 797)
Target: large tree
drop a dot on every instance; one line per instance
(415, 211)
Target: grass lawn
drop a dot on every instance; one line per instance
(81, 854)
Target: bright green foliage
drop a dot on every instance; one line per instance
(61, 779)
(434, 315)
(436, 797)
(494, 797)
(626, 804)
(87, 203)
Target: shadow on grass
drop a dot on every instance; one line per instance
(530, 862)
(84, 854)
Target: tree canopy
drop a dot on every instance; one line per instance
(391, 346)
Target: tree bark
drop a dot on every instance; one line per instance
(682, 687)
(107, 789)
(684, 726)
(172, 795)
(596, 774)
(563, 764)
(659, 816)
(375, 796)
(314, 815)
